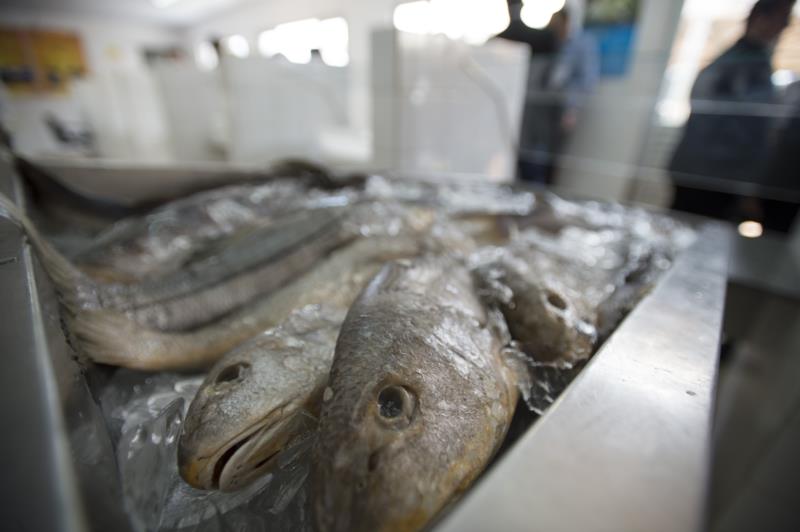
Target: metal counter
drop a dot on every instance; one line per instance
(625, 448)
(38, 489)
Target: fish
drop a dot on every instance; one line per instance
(171, 235)
(232, 273)
(257, 398)
(235, 427)
(114, 338)
(418, 400)
(111, 336)
(249, 267)
(245, 268)
(562, 293)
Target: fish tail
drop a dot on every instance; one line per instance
(105, 338)
(76, 289)
(108, 337)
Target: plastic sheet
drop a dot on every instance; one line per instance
(461, 198)
(144, 415)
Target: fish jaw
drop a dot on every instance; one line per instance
(242, 459)
(258, 454)
(255, 400)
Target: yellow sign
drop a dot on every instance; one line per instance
(40, 60)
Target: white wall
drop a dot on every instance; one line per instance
(119, 97)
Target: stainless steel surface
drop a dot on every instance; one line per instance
(38, 491)
(768, 263)
(627, 446)
(56, 453)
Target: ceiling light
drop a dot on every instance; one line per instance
(163, 4)
(205, 55)
(536, 16)
(237, 46)
(414, 17)
(751, 229)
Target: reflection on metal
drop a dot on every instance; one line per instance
(627, 446)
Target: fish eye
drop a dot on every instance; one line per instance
(556, 300)
(396, 404)
(234, 372)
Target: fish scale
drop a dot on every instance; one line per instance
(374, 473)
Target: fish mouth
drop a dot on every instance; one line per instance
(245, 458)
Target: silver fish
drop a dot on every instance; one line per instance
(114, 338)
(419, 400)
(169, 237)
(245, 268)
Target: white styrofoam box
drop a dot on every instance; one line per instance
(278, 109)
(444, 106)
(194, 104)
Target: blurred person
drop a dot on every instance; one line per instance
(540, 41)
(726, 140)
(559, 93)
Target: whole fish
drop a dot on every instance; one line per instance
(418, 401)
(240, 271)
(255, 265)
(255, 399)
(165, 239)
(561, 293)
(111, 336)
(114, 338)
(244, 269)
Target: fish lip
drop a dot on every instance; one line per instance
(205, 472)
(225, 458)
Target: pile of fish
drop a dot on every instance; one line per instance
(393, 324)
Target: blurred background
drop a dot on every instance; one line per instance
(692, 105)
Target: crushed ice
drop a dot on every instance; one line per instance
(144, 413)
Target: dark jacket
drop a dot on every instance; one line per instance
(727, 134)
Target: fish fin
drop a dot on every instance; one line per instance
(105, 337)
(109, 337)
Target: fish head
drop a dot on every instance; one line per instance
(397, 438)
(243, 415)
(376, 444)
